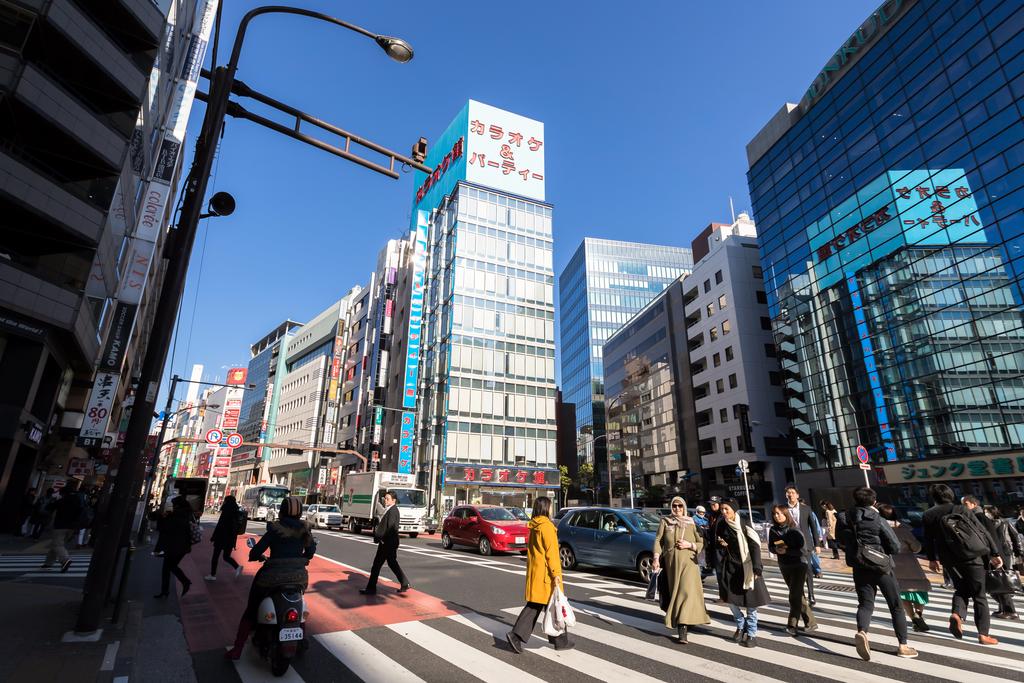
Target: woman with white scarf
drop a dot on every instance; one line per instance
(742, 585)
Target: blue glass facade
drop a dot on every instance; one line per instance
(605, 283)
(892, 236)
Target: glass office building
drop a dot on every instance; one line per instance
(604, 285)
(889, 207)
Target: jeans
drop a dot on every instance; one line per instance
(217, 551)
(969, 585)
(387, 554)
(528, 619)
(868, 583)
(747, 625)
(815, 563)
(59, 546)
(794, 575)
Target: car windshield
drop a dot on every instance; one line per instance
(409, 498)
(642, 521)
(327, 508)
(519, 513)
(273, 497)
(497, 515)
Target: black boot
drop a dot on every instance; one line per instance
(681, 634)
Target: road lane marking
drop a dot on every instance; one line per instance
(365, 661)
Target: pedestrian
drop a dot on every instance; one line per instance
(385, 534)
(85, 520)
(742, 585)
(954, 537)
(67, 511)
(224, 536)
(787, 544)
(913, 582)
(801, 514)
(870, 544)
(700, 519)
(42, 512)
(292, 546)
(176, 540)
(829, 512)
(1009, 544)
(28, 502)
(543, 573)
(1019, 524)
(819, 536)
(678, 543)
(713, 552)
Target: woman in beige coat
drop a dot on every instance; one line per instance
(676, 548)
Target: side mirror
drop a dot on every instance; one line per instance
(250, 542)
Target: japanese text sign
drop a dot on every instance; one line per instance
(505, 151)
(97, 412)
(965, 467)
(529, 477)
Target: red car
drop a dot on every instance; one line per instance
(491, 528)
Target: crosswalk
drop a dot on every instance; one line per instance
(621, 637)
(30, 567)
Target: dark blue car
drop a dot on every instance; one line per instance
(608, 537)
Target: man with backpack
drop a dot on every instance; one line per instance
(870, 544)
(954, 537)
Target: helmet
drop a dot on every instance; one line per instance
(291, 507)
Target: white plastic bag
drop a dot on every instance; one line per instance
(553, 623)
(565, 609)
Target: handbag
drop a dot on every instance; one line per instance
(195, 532)
(873, 558)
(652, 586)
(1002, 582)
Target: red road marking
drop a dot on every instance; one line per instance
(210, 611)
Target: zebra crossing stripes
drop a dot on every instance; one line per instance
(364, 660)
(30, 567)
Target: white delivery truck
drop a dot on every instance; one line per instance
(362, 503)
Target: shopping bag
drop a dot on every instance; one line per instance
(652, 586)
(553, 624)
(565, 611)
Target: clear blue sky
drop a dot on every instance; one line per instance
(648, 107)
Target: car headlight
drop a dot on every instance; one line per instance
(498, 530)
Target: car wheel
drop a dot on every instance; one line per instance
(567, 556)
(645, 565)
(446, 541)
(353, 527)
(484, 546)
(413, 534)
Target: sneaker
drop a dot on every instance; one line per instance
(209, 577)
(737, 636)
(403, 588)
(751, 641)
(987, 640)
(809, 628)
(66, 566)
(906, 651)
(514, 642)
(238, 571)
(791, 630)
(920, 625)
(956, 626)
(863, 646)
(1009, 616)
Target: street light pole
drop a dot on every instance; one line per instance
(177, 252)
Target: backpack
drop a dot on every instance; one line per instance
(964, 536)
(243, 522)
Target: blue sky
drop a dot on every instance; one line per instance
(647, 106)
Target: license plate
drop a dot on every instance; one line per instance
(290, 634)
(520, 539)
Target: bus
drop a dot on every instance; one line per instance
(257, 500)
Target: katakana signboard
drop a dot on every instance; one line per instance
(964, 467)
(487, 475)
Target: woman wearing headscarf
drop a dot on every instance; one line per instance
(676, 548)
(291, 547)
(742, 586)
(224, 536)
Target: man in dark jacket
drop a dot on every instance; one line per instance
(385, 534)
(66, 513)
(967, 573)
(801, 514)
(1009, 545)
(865, 535)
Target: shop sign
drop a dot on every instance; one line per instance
(965, 467)
(530, 477)
(237, 376)
(97, 412)
(419, 266)
(80, 467)
(405, 443)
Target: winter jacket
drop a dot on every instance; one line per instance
(792, 539)
(176, 531)
(286, 538)
(935, 546)
(225, 534)
(731, 589)
(68, 511)
(543, 567)
(864, 526)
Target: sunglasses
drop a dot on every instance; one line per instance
(678, 506)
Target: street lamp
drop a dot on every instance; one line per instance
(177, 252)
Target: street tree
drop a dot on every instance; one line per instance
(565, 481)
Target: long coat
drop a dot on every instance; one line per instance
(225, 534)
(543, 567)
(830, 521)
(732, 569)
(909, 574)
(685, 604)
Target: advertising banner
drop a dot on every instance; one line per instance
(237, 377)
(505, 151)
(419, 266)
(118, 337)
(97, 412)
(405, 443)
(486, 475)
(960, 467)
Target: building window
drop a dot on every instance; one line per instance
(713, 333)
(781, 410)
(726, 327)
(766, 322)
(719, 386)
(775, 378)
(711, 310)
(762, 298)
(716, 359)
(769, 350)
(727, 445)
(707, 286)
(732, 381)
(757, 273)
(728, 353)
(723, 415)
(718, 277)
(721, 302)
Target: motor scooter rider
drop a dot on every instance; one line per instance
(291, 546)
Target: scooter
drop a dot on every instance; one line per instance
(280, 630)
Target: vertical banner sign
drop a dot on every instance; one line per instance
(405, 443)
(157, 189)
(339, 343)
(419, 263)
(97, 412)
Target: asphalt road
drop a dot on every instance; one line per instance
(451, 628)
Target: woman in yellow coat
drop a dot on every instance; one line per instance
(543, 573)
(676, 548)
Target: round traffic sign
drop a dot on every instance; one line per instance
(862, 454)
(214, 436)
(234, 440)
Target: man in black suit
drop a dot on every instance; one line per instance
(385, 534)
(802, 516)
